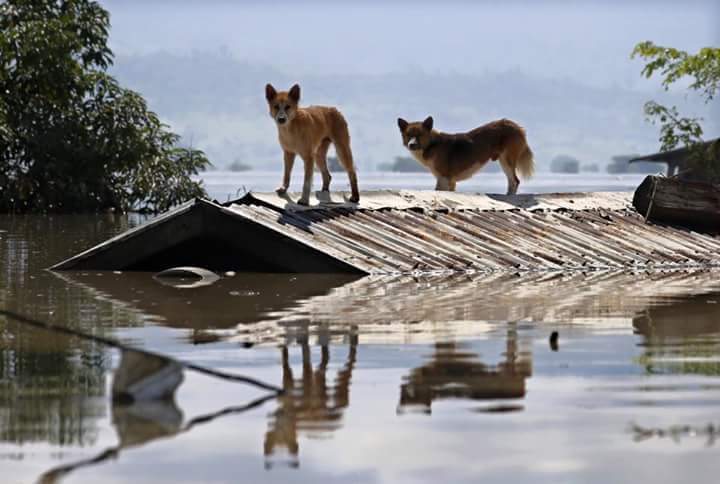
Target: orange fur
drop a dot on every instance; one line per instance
(308, 132)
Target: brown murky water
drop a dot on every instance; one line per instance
(391, 380)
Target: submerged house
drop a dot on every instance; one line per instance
(677, 160)
(392, 232)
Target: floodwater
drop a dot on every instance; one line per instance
(387, 379)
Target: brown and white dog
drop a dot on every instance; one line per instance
(456, 157)
(308, 132)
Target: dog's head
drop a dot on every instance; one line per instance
(283, 105)
(416, 135)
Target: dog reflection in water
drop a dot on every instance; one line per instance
(309, 404)
(454, 373)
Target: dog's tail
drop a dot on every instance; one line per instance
(525, 164)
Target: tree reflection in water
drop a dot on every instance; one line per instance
(681, 336)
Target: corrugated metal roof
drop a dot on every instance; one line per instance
(407, 231)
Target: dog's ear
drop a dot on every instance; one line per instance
(294, 93)
(402, 124)
(428, 123)
(270, 92)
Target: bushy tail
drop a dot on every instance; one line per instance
(525, 165)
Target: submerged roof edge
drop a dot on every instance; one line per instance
(68, 263)
(201, 208)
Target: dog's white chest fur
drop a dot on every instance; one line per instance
(418, 155)
(426, 162)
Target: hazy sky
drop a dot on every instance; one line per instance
(584, 45)
(583, 40)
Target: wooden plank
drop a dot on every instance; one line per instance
(671, 201)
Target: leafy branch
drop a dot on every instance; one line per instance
(703, 69)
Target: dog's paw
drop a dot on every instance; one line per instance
(305, 202)
(281, 190)
(354, 199)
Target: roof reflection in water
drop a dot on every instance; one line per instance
(242, 299)
(272, 308)
(406, 309)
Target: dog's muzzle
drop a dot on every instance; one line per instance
(413, 144)
(281, 119)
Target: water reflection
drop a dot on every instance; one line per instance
(633, 347)
(135, 425)
(681, 335)
(710, 433)
(51, 389)
(454, 372)
(146, 416)
(230, 301)
(266, 308)
(424, 310)
(309, 404)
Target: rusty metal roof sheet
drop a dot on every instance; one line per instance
(433, 231)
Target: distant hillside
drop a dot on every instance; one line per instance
(216, 102)
(403, 164)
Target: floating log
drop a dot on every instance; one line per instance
(690, 204)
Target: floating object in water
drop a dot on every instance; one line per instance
(554, 341)
(186, 277)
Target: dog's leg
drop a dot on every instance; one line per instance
(289, 159)
(341, 140)
(451, 185)
(345, 156)
(443, 184)
(354, 192)
(508, 167)
(321, 160)
(307, 182)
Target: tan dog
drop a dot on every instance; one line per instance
(308, 132)
(456, 157)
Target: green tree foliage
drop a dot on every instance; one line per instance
(71, 138)
(703, 69)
